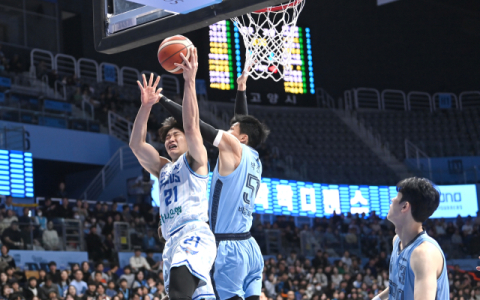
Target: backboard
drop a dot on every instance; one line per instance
(121, 25)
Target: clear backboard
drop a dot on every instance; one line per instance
(121, 25)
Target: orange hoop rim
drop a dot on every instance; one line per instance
(278, 8)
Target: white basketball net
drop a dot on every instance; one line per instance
(268, 36)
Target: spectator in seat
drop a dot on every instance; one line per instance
(61, 192)
(6, 260)
(80, 210)
(7, 291)
(126, 213)
(49, 209)
(50, 238)
(31, 290)
(64, 283)
(25, 218)
(139, 280)
(93, 244)
(10, 217)
(12, 237)
(91, 293)
(86, 270)
(138, 262)
(154, 266)
(123, 289)
(72, 292)
(42, 276)
(16, 64)
(40, 219)
(63, 211)
(99, 268)
(48, 287)
(101, 293)
(111, 289)
(78, 283)
(128, 276)
(54, 273)
(99, 279)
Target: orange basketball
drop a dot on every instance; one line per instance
(169, 52)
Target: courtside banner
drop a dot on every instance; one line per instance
(306, 199)
(36, 260)
(457, 200)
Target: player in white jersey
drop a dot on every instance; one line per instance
(190, 245)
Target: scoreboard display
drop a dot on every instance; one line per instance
(226, 59)
(16, 174)
(306, 199)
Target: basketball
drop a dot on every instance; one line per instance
(169, 53)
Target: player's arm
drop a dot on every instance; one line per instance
(145, 153)
(197, 154)
(384, 294)
(424, 261)
(241, 106)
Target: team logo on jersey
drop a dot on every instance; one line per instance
(189, 250)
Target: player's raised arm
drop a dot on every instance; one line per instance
(241, 106)
(145, 153)
(197, 154)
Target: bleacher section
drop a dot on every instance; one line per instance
(316, 145)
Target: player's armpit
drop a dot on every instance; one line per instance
(425, 262)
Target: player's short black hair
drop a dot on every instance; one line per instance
(167, 125)
(256, 131)
(422, 196)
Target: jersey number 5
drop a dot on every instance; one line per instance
(253, 183)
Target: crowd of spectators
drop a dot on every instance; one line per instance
(303, 269)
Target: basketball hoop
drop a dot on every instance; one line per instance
(268, 36)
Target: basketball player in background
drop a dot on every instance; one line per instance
(237, 273)
(190, 244)
(418, 269)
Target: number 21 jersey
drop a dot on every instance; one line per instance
(183, 196)
(232, 197)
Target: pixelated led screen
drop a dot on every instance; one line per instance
(16, 174)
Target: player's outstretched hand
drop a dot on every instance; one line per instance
(150, 95)
(242, 80)
(189, 66)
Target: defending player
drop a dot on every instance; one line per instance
(237, 272)
(418, 269)
(190, 245)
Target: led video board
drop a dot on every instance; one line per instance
(297, 198)
(16, 174)
(225, 55)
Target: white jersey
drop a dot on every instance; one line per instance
(183, 196)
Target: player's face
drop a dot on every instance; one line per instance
(235, 131)
(395, 208)
(175, 143)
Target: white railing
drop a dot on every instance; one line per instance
(419, 101)
(170, 84)
(87, 68)
(422, 160)
(102, 75)
(394, 100)
(90, 107)
(469, 99)
(367, 98)
(324, 99)
(119, 127)
(65, 64)
(128, 76)
(122, 159)
(38, 55)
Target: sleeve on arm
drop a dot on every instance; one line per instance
(241, 106)
(209, 133)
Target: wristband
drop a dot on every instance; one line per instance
(218, 138)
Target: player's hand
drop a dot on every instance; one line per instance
(189, 67)
(242, 80)
(150, 95)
